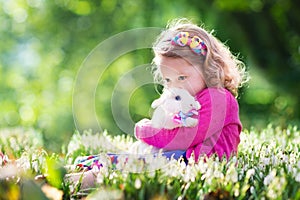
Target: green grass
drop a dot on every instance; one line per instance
(267, 167)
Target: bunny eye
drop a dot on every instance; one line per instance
(177, 98)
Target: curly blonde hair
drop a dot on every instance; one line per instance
(219, 66)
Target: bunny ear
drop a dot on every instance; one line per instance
(157, 102)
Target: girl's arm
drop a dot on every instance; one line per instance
(174, 139)
(177, 138)
(223, 134)
(218, 113)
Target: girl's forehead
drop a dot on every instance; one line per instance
(173, 62)
(178, 70)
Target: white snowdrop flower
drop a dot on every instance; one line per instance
(269, 177)
(289, 168)
(252, 155)
(250, 173)
(35, 166)
(293, 158)
(298, 164)
(257, 154)
(240, 176)
(282, 183)
(273, 144)
(138, 183)
(266, 161)
(274, 189)
(137, 166)
(23, 162)
(245, 168)
(294, 171)
(285, 158)
(104, 170)
(219, 174)
(279, 153)
(41, 159)
(191, 160)
(236, 192)
(261, 166)
(241, 160)
(149, 158)
(252, 189)
(242, 170)
(100, 178)
(122, 175)
(274, 160)
(234, 159)
(271, 193)
(133, 164)
(14, 144)
(297, 177)
(112, 175)
(160, 162)
(267, 150)
(182, 166)
(171, 169)
(190, 174)
(208, 176)
(155, 163)
(231, 174)
(151, 173)
(202, 167)
(209, 173)
(215, 164)
(288, 132)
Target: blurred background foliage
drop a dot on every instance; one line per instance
(44, 42)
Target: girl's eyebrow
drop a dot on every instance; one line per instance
(182, 74)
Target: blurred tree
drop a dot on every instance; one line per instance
(270, 34)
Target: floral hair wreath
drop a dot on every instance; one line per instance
(195, 43)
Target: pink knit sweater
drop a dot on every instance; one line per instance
(218, 130)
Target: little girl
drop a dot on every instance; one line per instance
(188, 57)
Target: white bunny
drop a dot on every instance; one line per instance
(174, 108)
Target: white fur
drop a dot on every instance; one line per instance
(167, 106)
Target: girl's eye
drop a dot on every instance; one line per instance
(177, 98)
(181, 78)
(167, 80)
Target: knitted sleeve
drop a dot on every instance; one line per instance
(178, 138)
(217, 130)
(223, 134)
